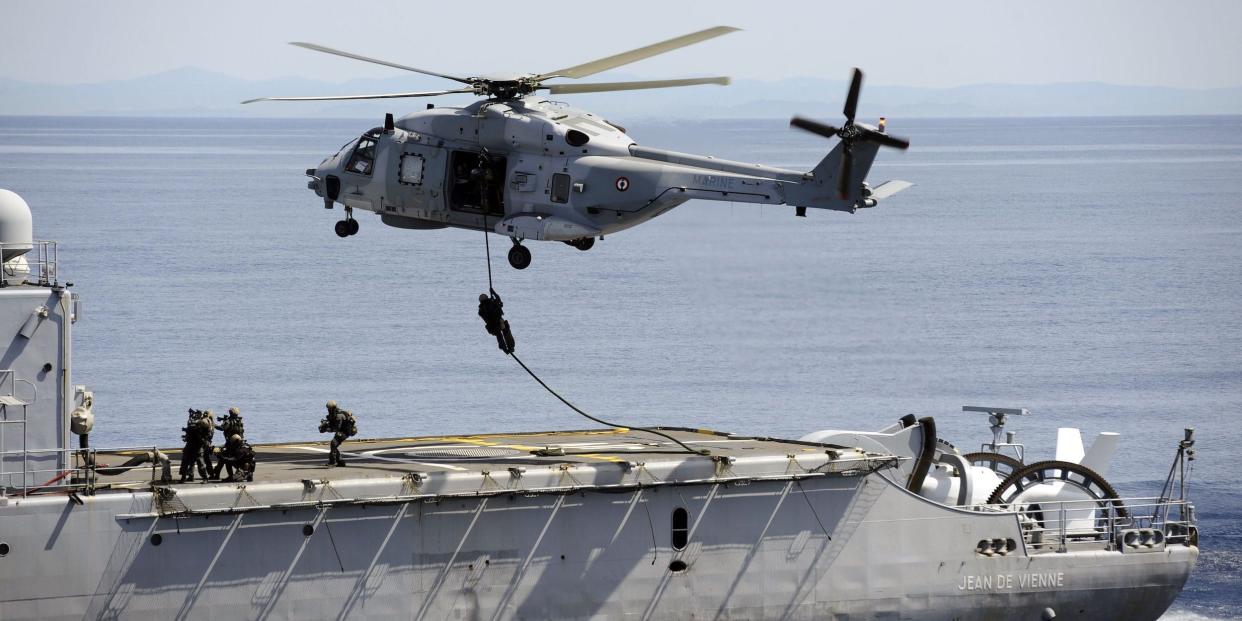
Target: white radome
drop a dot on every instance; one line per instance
(16, 226)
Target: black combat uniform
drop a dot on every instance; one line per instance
(491, 309)
(192, 455)
(232, 424)
(343, 426)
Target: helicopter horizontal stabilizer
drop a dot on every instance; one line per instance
(889, 188)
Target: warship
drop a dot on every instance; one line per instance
(612, 523)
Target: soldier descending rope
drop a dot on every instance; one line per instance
(491, 309)
(343, 426)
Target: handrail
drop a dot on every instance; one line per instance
(38, 266)
(1096, 523)
(80, 477)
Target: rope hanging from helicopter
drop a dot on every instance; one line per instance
(491, 309)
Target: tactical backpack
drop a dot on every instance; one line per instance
(349, 426)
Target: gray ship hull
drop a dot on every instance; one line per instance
(605, 524)
(821, 548)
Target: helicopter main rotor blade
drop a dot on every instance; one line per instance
(379, 96)
(625, 58)
(328, 50)
(851, 100)
(601, 87)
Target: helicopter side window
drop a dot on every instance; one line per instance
(412, 169)
(560, 188)
(363, 159)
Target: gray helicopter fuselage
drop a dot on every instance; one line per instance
(531, 168)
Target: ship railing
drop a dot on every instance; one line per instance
(52, 471)
(38, 266)
(1127, 524)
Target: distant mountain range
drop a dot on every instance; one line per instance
(195, 92)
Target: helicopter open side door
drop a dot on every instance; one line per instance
(476, 182)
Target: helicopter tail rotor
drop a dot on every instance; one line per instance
(851, 134)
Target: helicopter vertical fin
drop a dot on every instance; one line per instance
(821, 190)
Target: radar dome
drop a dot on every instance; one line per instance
(16, 227)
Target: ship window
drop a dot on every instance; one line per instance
(412, 169)
(363, 159)
(681, 528)
(560, 188)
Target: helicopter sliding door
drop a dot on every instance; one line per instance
(476, 183)
(416, 175)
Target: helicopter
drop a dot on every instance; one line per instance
(527, 167)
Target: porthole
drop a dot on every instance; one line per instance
(4, 548)
(576, 138)
(681, 528)
(157, 539)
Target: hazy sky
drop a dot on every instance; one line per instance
(916, 43)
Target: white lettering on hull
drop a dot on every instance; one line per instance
(1005, 582)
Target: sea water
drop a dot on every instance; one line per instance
(1089, 270)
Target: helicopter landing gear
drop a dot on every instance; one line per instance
(348, 226)
(582, 243)
(519, 256)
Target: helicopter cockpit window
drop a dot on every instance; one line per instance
(363, 159)
(344, 147)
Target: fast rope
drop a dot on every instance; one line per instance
(490, 309)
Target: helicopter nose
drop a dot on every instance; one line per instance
(314, 183)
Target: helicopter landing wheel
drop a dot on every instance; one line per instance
(353, 226)
(519, 256)
(583, 244)
(342, 228)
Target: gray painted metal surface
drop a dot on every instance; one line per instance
(605, 524)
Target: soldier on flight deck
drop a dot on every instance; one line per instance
(238, 457)
(207, 432)
(192, 454)
(232, 424)
(343, 426)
